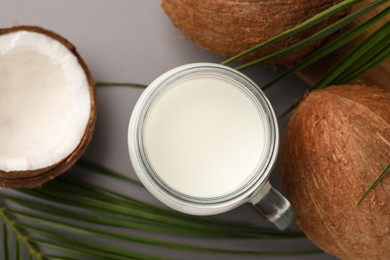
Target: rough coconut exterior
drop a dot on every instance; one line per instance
(336, 144)
(35, 178)
(228, 27)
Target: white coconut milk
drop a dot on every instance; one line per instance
(204, 137)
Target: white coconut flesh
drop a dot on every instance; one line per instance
(45, 101)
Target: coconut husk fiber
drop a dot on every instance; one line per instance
(228, 27)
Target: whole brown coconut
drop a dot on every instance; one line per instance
(36, 177)
(228, 27)
(336, 144)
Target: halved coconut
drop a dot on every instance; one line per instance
(47, 106)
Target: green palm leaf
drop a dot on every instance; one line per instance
(40, 221)
(331, 47)
(330, 29)
(295, 30)
(374, 50)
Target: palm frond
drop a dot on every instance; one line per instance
(331, 47)
(293, 31)
(374, 50)
(328, 30)
(66, 221)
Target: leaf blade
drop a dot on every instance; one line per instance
(316, 36)
(6, 242)
(299, 28)
(34, 252)
(119, 84)
(374, 184)
(330, 47)
(356, 54)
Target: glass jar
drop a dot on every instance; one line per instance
(203, 139)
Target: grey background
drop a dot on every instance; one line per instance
(134, 41)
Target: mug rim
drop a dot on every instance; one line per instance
(184, 202)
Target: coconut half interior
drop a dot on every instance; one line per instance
(45, 102)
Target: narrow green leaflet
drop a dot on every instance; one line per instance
(41, 214)
(71, 211)
(331, 47)
(119, 84)
(6, 242)
(81, 229)
(376, 44)
(176, 216)
(91, 166)
(297, 29)
(19, 252)
(374, 50)
(374, 184)
(8, 222)
(376, 60)
(315, 37)
(69, 240)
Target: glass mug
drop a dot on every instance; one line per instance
(203, 139)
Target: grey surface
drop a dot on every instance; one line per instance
(134, 41)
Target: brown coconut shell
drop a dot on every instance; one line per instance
(336, 144)
(35, 178)
(228, 27)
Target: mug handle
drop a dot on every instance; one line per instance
(274, 206)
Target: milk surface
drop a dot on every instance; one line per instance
(204, 137)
